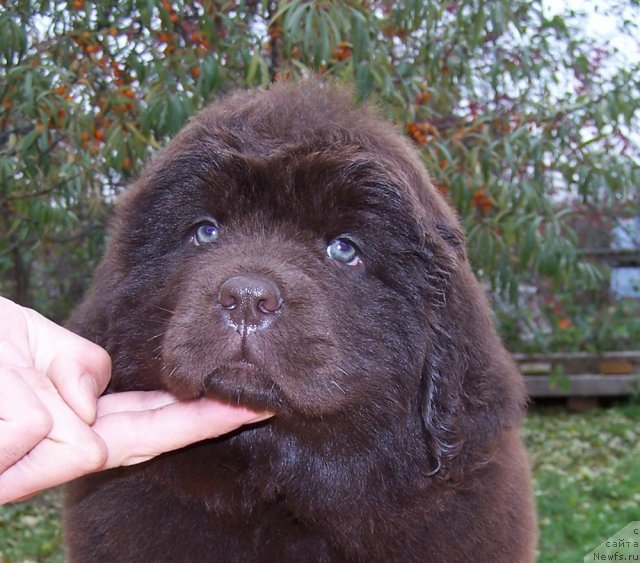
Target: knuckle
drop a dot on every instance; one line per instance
(24, 434)
(93, 454)
(40, 422)
(103, 358)
(100, 358)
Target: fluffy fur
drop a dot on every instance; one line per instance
(397, 408)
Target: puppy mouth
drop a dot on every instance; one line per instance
(242, 365)
(241, 382)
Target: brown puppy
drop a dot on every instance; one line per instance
(288, 252)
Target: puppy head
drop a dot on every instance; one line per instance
(289, 252)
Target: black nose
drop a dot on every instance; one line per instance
(249, 302)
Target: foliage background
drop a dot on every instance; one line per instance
(523, 119)
(519, 115)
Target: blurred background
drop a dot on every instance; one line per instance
(526, 113)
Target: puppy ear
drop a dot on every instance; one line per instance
(91, 319)
(438, 419)
(107, 299)
(471, 390)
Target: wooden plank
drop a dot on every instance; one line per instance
(555, 356)
(578, 363)
(614, 257)
(581, 385)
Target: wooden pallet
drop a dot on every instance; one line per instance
(587, 385)
(581, 374)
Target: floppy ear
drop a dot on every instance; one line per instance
(92, 318)
(104, 313)
(471, 390)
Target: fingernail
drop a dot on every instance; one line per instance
(88, 386)
(89, 390)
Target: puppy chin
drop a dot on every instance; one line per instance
(243, 383)
(236, 382)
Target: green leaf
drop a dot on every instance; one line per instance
(296, 11)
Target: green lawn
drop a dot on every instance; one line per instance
(30, 531)
(587, 477)
(586, 470)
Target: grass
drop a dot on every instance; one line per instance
(30, 531)
(587, 477)
(586, 473)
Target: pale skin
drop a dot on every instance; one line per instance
(54, 423)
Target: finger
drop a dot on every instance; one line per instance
(14, 326)
(80, 376)
(24, 421)
(10, 355)
(128, 401)
(79, 369)
(69, 450)
(52, 463)
(134, 437)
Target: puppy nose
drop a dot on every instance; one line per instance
(249, 302)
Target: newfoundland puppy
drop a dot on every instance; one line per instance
(288, 252)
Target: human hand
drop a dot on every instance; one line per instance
(53, 427)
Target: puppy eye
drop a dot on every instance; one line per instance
(206, 233)
(343, 250)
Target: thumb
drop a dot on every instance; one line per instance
(79, 369)
(80, 376)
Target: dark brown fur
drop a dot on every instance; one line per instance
(397, 408)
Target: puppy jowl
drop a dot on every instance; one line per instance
(288, 253)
